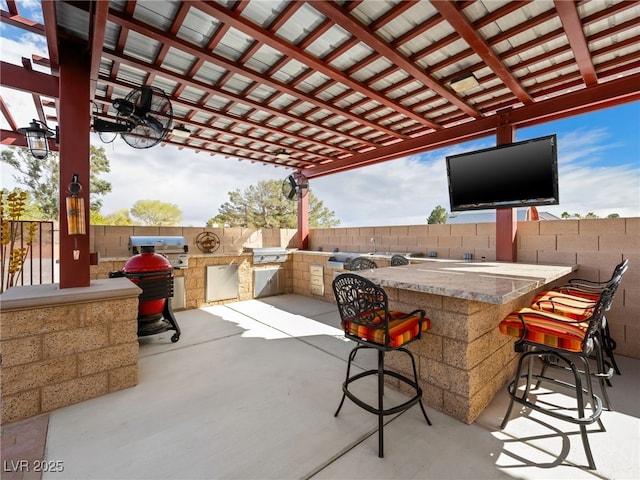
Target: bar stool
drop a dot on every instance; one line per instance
(397, 260)
(591, 290)
(559, 341)
(580, 307)
(367, 320)
(362, 263)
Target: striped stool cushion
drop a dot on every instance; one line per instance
(401, 330)
(577, 292)
(548, 329)
(568, 305)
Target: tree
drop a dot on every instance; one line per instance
(155, 212)
(264, 206)
(41, 177)
(438, 215)
(29, 210)
(119, 217)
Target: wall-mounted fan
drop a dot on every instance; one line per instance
(144, 118)
(295, 186)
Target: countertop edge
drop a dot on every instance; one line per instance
(30, 296)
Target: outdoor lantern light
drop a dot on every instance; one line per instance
(75, 214)
(37, 134)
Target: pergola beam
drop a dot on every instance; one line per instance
(614, 92)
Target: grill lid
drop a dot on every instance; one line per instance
(269, 255)
(164, 244)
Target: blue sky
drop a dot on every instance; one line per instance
(598, 161)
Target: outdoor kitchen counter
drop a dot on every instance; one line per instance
(491, 282)
(463, 359)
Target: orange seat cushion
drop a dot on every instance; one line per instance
(547, 329)
(401, 330)
(577, 292)
(568, 305)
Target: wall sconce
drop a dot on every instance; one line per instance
(75, 214)
(37, 134)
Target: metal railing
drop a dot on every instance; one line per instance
(40, 265)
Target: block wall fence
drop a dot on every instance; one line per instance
(596, 245)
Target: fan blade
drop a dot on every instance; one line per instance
(294, 187)
(154, 124)
(143, 104)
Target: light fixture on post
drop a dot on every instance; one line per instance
(180, 131)
(37, 134)
(75, 214)
(464, 83)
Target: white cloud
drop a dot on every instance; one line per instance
(197, 183)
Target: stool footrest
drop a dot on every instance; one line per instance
(594, 417)
(386, 411)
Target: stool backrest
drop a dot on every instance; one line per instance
(596, 320)
(362, 263)
(397, 260)
(361, 301)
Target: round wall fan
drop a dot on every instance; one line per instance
(144, 118)
(295, 186)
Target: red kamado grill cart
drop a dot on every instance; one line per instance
(153, 273)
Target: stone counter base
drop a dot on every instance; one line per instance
(67, 348)
(463, 360)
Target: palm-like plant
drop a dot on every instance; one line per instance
(14, 241)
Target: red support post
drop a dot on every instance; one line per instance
(506, 218)
(303, 222)
(75, 113)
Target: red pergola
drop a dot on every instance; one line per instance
(335, 85)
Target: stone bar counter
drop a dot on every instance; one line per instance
(463, 360)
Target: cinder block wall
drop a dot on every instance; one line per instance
(112, 241)
(596, 245)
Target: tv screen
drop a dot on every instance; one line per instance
(513, 175)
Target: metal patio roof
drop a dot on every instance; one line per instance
(336, 84)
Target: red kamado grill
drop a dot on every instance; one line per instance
(153, 273)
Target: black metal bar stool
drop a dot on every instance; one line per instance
(397, 260)
(366, 319)
(362, 263)
(591, 290)
(563, 342)
(579, 305)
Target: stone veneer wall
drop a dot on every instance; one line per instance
(68, 351)
(596, 245)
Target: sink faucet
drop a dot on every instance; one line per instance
(373, 240)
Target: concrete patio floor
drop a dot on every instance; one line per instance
(250, 390)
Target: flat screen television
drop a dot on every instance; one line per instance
(513, 175)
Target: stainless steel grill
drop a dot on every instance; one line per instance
(269, 255)
(174, 248)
